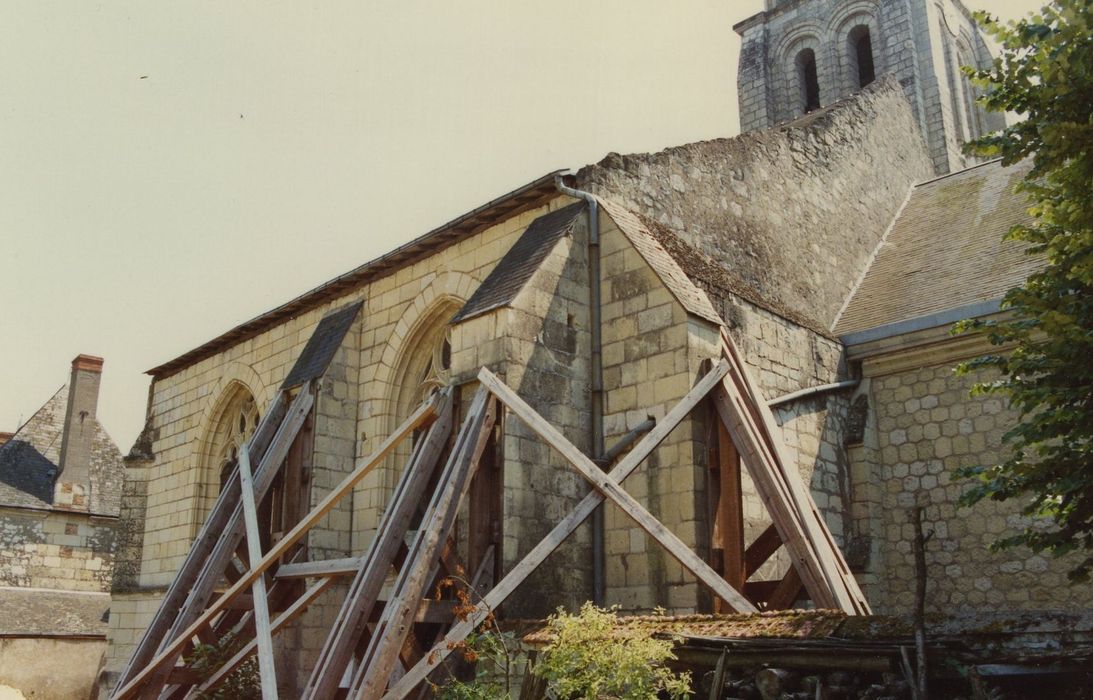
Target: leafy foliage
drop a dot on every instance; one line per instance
(490, 652)
(241, 684)
(592, 658)
(1045, 363)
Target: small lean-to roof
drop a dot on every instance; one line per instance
(513, 271)
(34, 612)
(693, 299)
(944, 251)
(532, 195)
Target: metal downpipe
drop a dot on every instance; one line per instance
(599, 582)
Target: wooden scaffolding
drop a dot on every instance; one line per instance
(385, 648)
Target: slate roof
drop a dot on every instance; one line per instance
(693, 299)
(321, 346)
(29, 462)
(38, 612)
(534, 194)
(944, 250)
(513, 271)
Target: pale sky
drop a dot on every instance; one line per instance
(169, 170)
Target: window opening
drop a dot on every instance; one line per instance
(863, 49)
(810, 84)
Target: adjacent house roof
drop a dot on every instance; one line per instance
(37, 612)
(29, 462)
(532, 195)
(945, 251)
(521, 261)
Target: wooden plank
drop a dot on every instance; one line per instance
(372, 568)
(611, 488)
(290, 614)
(776, 500)
(206, 540)
(319, 569)
(424, 414)
(382, 653)
(266, 670)
(763, 548)
(730, 510)
(538, 554)
(843, 585)
(230, 535)
(787, 591)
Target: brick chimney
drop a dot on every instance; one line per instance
(74, 480)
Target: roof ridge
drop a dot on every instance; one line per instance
(932, 180)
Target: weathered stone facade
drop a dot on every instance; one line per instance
(921, 44)
(62, 551)
(769, 235)
(924, 425)
(791, 215)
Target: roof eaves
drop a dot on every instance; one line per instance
(531, 195)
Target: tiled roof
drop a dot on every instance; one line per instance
(38, 612)
(945, 250)
(521, 261)
(29, 462)
(693, 299)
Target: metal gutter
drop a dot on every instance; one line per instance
(919, 323)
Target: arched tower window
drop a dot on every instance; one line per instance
(861, 47)
(807, 77)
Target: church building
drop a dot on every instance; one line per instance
(835, 241)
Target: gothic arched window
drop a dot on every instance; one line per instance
(807, 77)
(861, 46)
(239, 421)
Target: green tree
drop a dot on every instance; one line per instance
(1045, 360)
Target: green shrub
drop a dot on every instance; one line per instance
(591, 657)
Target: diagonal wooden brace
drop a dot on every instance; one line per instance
(612, 490)
(539, 553)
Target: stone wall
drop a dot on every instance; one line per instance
(923, 425)
(361, 401)
(647, 369)
(837, 179)
(546, 344)
(54, 549)
(51, 668)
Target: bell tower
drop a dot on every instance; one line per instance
(798, 56)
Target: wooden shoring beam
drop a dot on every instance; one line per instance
(727, 533)
(230, 537)
(761, 549)
(423, 415)
(382, 653)
(207, 539)
(372, 568)
(539, 553)
(291, 613)
(319, 569)
(786, 592)
(808, 540)
(611, 489)
(267, 671)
